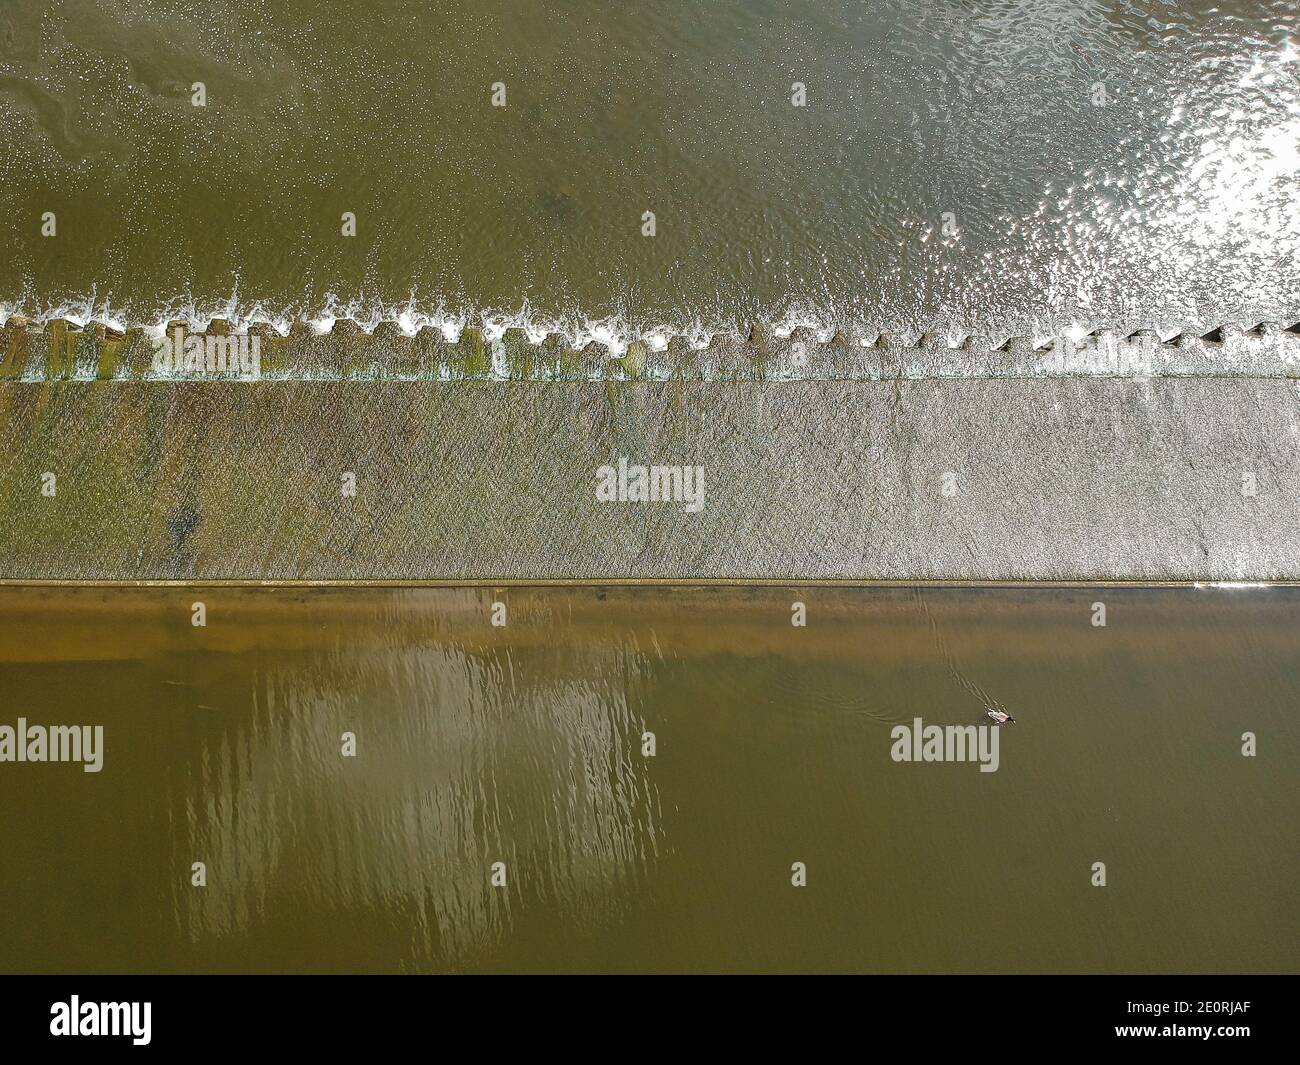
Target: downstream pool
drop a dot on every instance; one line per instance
(660, 778)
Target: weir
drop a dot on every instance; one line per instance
(61, 350)
(822, 461)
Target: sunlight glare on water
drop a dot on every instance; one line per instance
(1106, 165)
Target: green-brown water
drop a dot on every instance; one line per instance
(1120, 163)
(523, 744)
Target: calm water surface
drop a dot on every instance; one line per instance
(523, 745)
(1117, 163)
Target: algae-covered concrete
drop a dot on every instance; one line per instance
(931, 477)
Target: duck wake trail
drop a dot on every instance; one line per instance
(950, 665)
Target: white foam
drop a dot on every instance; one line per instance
(606, 332)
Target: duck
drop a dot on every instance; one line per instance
(999, 717)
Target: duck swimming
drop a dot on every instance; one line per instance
(999, 717)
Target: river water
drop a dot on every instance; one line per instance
(653, 778)
(1099, 163)
(524, 744)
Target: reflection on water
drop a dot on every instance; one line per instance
(1105, 164)
(523, 744)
